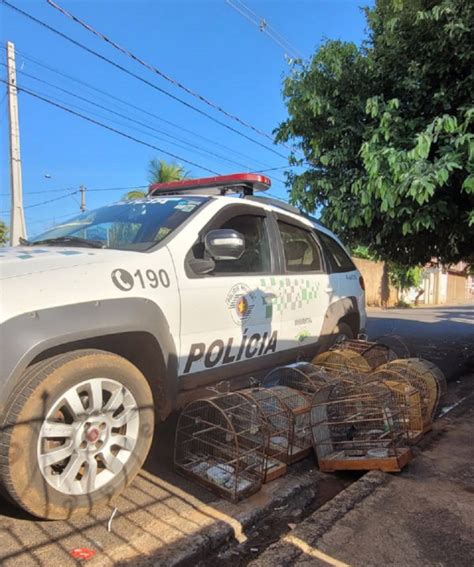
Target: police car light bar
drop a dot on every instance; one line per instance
(246, 183)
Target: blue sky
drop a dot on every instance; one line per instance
(206, 45)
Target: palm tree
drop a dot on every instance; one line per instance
(159, 171)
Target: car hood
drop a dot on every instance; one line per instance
(26, 260)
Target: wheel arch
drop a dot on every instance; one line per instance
(134, 328)
(343, 310)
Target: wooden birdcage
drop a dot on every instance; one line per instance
(302, 376)
(408, 400)
(359, 431)
(278, 421)
(374, 353)
(338, 360)
(426, 377)
(299, 438)
(220, 442)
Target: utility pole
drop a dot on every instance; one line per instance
(82, 189)
(17, 219)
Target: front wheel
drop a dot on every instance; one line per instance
(77, 430)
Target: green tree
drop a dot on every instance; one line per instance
(386, 132)
(3, 233)
(159, 171)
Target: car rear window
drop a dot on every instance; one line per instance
(336, 257)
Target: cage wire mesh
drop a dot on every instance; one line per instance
(426, 377)
(220, 442)
(396, 344)
(345, 360)
(374, 353)
(358, 427)
(299, 438)
(278, 420)
(408, 398)
(302, 376)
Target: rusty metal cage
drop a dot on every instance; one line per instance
(408, 398)
(342, 360)
(302, 376)
(220, 442)
(278, 421)
(299, 438)
(374, 353)
(361, 431)
(426, 377)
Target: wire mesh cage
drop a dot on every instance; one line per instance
(220, 442)
(408, 399)
(302, 376)
(396, 344)
(299, 438)
(342, 360)
(278, 420)
(360, 431)
(426, 377)
(374, 353)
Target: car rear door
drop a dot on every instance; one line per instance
(304, 287)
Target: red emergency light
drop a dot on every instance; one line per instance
(246, 183)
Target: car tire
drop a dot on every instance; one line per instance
(77, 430)
(341, 331)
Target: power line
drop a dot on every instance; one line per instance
(45, 202)
(89, 101)
(88, 190)
(111, 129)
(138, 77)
(264, 27)
(157, 71)
(131, 105)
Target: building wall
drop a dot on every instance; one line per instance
(457, 288)
(378, 291)
(440, 286)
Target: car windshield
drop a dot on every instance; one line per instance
(128, 225)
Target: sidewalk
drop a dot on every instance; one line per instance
(423, 516)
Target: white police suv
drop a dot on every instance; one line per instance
(119, 315)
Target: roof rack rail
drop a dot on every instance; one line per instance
(284, 206)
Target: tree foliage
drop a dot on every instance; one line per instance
(386, 132)
(405, 278)
(3, 233)
(159, 171)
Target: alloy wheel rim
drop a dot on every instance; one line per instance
(88, 436)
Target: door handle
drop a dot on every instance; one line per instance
(269, 297)
(329, 290)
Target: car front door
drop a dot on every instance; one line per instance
(228, 324)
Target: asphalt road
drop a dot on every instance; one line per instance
(444, 335)
(160, 508)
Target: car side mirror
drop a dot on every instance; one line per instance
(224, 244)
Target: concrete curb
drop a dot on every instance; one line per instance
(184, 554)
(322, 520)
(241, 518)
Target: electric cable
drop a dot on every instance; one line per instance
(138, 77)
(110, 128)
